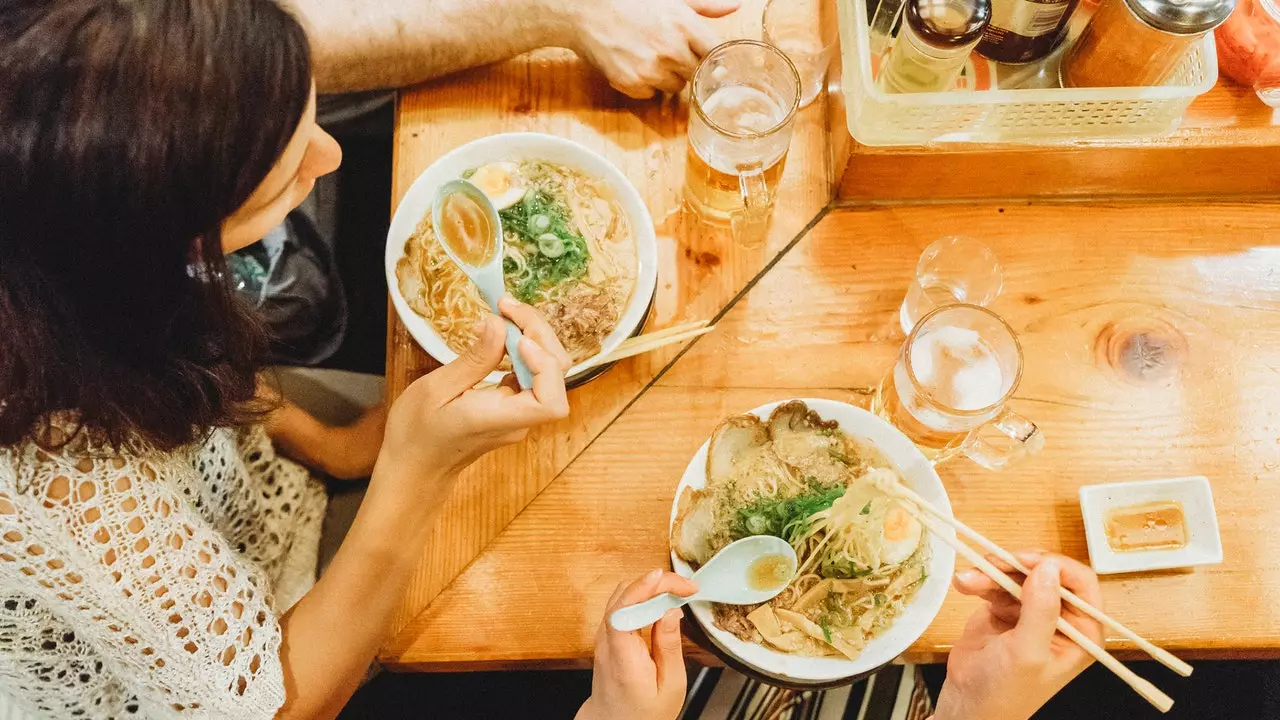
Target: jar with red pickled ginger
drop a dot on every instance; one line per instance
(1249, 48)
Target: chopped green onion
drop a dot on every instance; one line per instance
(550, 245)
(539, 224)
(866, 509)
(826, 631)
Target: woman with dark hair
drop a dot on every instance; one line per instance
(157, 556)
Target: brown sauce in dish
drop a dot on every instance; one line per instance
(466, 230)
(769, 572)
(1157, 525)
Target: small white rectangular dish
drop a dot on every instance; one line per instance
(1204, 546)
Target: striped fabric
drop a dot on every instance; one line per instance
(896, 692)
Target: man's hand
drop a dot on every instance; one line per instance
(647, 46)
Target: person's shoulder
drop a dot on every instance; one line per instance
(62, 451)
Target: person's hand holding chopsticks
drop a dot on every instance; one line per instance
(1011, 659)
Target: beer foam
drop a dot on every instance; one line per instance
(957, 368)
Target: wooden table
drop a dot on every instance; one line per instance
(1151, 332)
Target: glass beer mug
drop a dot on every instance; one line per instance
(947, 391)
(744, 97)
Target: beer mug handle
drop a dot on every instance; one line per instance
(749, 221)
(1024, 439)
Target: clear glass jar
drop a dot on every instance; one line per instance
(1131, 43)
(1249, 48)
(936, 39)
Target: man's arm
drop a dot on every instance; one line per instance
(362, 45)
(641, 47)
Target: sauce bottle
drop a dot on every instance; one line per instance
(1139, 42)
(936, 39)
(1024, 31)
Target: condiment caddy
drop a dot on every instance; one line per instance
(879, 112)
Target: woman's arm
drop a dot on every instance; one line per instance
(345, 452)
(437, 428)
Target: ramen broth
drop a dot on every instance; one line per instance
(466, 230)
(768, 572)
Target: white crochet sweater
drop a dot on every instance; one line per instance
(147, 584)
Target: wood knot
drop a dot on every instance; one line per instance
(702, 258)
(1143, 349)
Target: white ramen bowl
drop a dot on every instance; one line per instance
(515, 147)
(919, 612)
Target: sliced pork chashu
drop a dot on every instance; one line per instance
(693, 533)
(812, 447)
(740, 457)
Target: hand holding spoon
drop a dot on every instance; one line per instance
(749, 571)
(470, 232)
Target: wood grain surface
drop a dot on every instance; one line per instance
(701, 268)
(1152, 342)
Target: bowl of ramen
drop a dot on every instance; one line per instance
(870, 580)
(578, 245)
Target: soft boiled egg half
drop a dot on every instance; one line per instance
(900, 533)
(887, 530)
(498, 181)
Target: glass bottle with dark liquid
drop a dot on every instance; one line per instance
(1025, 31)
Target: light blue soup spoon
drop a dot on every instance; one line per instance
(487, 277)
(727, 578)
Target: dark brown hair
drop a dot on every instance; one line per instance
(129, 130)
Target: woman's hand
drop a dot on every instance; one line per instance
(639, 675)
(645, 47)
(1010, 659)
(440, 424)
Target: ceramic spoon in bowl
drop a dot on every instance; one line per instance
(470, 232)
(746, 572)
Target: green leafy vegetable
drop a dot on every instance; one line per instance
(838, 456)
(826, 629)
(549, 262)
(866, 509)
(845, 570)
(782, 518)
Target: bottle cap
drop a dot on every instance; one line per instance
(1182, 17)
(949, 23)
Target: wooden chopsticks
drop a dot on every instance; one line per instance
(1143, 687)
(643, 344)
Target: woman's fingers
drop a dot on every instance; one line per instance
(474, 363)
(1041, 607)
(668, 655)
(548, 380)
(657, 583)
(535, 327)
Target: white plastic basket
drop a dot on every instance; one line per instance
(1041, 116)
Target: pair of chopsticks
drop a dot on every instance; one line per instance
(644, 343)
(1150, 692)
